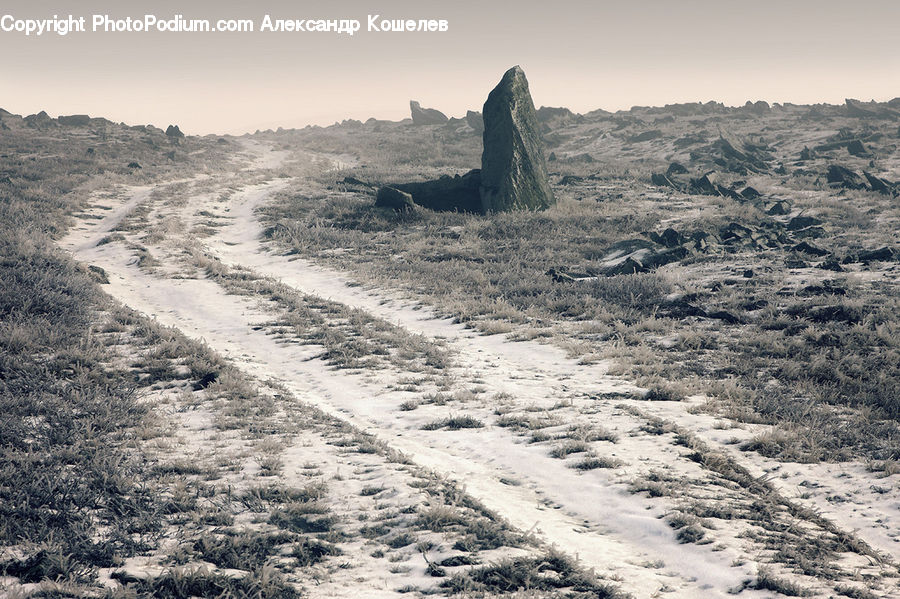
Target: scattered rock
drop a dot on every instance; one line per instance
(807, 154)
(839, 313)
(426, 116)
(802, 222)
(676, 169)
(208, 379)
(513, 169)
(739, 156)
(778, 208)
(831, 263)
(883, 254)
(661, 180)
(844, 177)
(680, 308)
(750, 193)
(856, 148)
(669, 238)
(807, 248)
(880, 185)
(390, 197)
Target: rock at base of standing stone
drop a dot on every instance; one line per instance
(513, 168)
(390, 197)
(447, 194)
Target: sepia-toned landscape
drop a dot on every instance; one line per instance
(281, 365)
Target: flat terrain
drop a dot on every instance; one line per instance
(667, 386)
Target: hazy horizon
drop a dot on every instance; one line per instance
(577, 54)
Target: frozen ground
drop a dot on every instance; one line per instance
(604, 516)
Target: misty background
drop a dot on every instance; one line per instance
(580, 54)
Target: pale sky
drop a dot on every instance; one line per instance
(576, 53)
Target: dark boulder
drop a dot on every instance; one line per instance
(205, 381)
(513, 168)
(447, 194)
(390, 197)
(802, 222)
(134, 165)
(878, 184)
(807, 248)
(426, 116)
(750, 193)
(676, 168)
(669, 238)
(807, 154)
(883, 254)
(661, 180)
(474, 120)
(844, 177)
(856, 148)
(778, 208)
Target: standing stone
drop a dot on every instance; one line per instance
(513, 168)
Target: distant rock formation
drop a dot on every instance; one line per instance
(75, 120)
(758, 108)
(474, 120)
(550, 113)
(426, 116)
(174, 132)
(513, 168)
(40, 120)
(870, 110)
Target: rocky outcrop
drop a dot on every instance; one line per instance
(513, 167)
(426, 116)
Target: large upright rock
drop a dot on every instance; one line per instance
(425, 116)
(513, 168)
